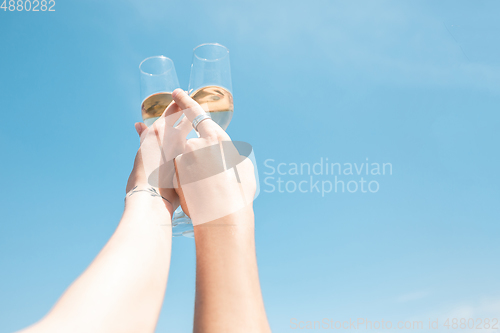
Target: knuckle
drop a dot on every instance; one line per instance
(188, 101)
(222, 136)
(190, 145)
(211, 136)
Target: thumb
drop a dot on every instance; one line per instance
(140, 127)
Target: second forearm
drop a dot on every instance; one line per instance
(227, 276)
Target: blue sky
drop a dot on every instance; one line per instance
(414, 84)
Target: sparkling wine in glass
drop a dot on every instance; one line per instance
(210, 82)
(158, 81)
(210, 86)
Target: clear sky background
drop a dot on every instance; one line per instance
(411, 83)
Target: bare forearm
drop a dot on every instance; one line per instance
(228, 295)
(122, 290)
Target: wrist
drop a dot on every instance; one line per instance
(147, 200)
(238, 226)
(146, 216)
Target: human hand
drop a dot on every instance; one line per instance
(212, 179)
(160, 144)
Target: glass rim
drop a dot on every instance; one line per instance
(211, 44)
(156, 57)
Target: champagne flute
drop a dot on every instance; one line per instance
(158, 81)
(210, 82)
(209, 85)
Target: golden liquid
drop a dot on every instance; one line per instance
(153, 106)
(216, 100)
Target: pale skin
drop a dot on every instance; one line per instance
(123, 288)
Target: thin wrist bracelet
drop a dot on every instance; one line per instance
(151, 190)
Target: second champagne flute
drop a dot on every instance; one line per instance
(209, 85)
(210, 82)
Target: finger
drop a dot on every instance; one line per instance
(192, 109)
(140, 127)
(151, 154)
(171, 114)
(178, 188)
(184, 126)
